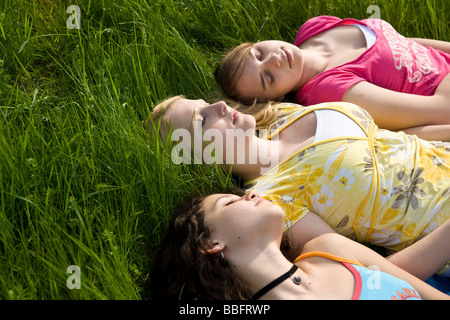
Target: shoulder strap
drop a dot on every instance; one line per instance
(326, 255)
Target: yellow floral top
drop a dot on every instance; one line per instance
(389, 189)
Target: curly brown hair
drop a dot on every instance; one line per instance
(183, 268)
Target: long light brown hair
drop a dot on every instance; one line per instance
(230, 69)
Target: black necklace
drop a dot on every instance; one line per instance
(297, 280)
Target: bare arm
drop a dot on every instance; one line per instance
(346, 248)
(444, 46)
(396, 111)
(427, 255)
(432, 132)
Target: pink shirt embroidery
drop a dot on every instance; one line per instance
(393, 62)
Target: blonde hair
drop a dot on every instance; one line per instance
(157, 122)
(265, 113)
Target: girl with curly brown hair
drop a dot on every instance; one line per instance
(229, 246)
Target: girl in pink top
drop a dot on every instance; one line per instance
(404, 83)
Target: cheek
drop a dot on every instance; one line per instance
(226, 229)
(213, 140)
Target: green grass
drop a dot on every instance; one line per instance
(80, 182)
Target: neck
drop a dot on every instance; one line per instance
(257, 158)
(258, 268)
(313, 63)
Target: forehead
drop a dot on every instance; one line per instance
(181, 113)
(210, 201)
(214, 204)
(249, 84)
(270, 43)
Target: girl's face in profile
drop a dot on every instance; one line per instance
(250, 217)
(198, 117)
(273, 69)
(184, 112)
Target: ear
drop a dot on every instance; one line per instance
(213, 247)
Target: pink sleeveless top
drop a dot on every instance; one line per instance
(393, 62)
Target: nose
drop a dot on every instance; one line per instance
(221, 107)
(273, 59)
(251, 196)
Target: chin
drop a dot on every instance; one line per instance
(252, 123)
(275, 210)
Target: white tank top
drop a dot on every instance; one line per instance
(368, 34)
(334, 124)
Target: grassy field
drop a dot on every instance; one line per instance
(80, 182)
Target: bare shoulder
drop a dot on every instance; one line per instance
(343, 247)
(333, 243)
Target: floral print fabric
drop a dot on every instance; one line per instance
(388, 189)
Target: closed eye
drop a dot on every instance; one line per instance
(266, 79)
(259, 55)
(231, 202)
(270, 76)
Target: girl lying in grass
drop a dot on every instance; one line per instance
(227, 246)
(331, 169)
(403, 83)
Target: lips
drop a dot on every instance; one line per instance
(288, 57)
(260, 199)
(234, 115)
